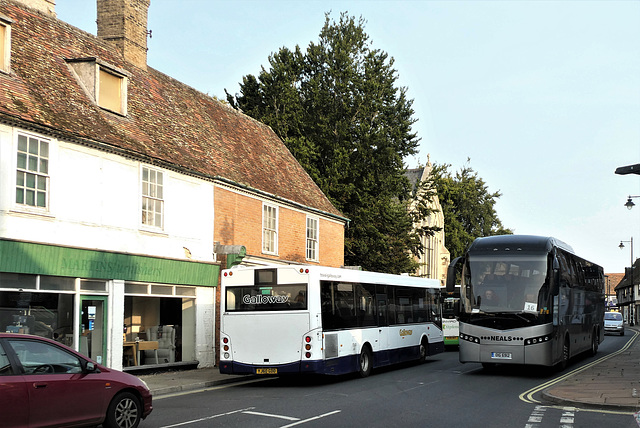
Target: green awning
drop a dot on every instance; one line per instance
(43, 259)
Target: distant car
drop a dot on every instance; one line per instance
(613, 323)
(44, 383)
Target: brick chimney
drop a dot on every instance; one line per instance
(124, 24)
(45, 6)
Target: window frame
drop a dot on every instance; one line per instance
(122, 109)
(5, 54)
(312, 244)
(45, 176)
(154, 197)
(270, 246)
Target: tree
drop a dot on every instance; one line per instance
(468, 208)
(339, 111)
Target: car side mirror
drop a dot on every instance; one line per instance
(90, 367)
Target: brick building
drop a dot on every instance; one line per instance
(124, 192)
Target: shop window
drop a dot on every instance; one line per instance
(165, 326)
(94, 286)
(186, 291)
(17, 280)
(42, 314)
(162, 289)
(57, 283)
(133, 288)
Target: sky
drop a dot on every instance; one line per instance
(540, 98)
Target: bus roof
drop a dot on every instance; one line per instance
(526, 243)
(351, 275)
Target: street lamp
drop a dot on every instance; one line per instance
(630, 203)
(621, 246)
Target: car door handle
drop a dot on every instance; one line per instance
(39, 385)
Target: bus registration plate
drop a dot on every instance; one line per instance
(266, 371)
(501, 355)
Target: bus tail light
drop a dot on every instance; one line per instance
(225, 347)
(307, 346)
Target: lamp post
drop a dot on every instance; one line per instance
(630, 203)
(621, 246)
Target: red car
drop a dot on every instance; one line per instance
(44, 383)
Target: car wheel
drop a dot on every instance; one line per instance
(124, 411)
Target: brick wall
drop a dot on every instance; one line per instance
(238, 221)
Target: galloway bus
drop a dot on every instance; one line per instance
(450, 316)
(527, 300)
(280, 320)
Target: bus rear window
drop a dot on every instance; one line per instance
(267, 298)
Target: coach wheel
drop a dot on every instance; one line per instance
(594, 342)
(565, 355)
(365, 362)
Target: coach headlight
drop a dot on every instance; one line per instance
(537, 340)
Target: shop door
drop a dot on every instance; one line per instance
(93, 329)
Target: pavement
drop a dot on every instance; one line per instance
(611, 382)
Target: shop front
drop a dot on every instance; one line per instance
(121, 310)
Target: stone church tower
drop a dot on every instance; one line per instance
(435, 260)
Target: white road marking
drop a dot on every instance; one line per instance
(311, 419)
(208, 418)
(289, 418)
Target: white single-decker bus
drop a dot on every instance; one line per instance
(310, 319)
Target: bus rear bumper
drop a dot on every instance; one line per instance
(232, 367)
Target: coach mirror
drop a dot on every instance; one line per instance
(451, 273)
(556, 274)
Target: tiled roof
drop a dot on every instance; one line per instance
(615, 278)
(167, 122)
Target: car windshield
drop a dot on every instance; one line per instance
(505, 283)
(613, 316)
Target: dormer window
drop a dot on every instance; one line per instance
(110, 91)
(105, 84)
(5, 43)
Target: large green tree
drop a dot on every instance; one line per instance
(338, 109)
(468, 207)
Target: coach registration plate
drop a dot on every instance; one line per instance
(266, 371)
(501, 355)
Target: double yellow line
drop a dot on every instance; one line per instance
(527, 396)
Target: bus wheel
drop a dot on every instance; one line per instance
(364, 368)
(424, 345)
